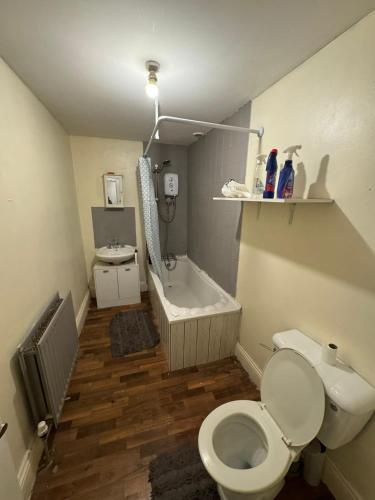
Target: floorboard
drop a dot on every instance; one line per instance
(122, 412)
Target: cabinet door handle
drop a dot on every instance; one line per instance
(128, 269)
(105, 271)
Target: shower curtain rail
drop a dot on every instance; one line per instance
(175, 119)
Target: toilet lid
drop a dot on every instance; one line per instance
(293, 394)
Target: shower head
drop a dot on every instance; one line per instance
(157, 168)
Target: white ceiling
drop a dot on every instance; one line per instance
(84, 59)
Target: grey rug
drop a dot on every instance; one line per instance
(132, 331)
(180, 475)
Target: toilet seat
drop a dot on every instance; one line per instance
(294, 396)
(269, 472)
(289, 417)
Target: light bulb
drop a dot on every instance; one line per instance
(152, 89)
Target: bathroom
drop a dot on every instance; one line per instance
(102, 94)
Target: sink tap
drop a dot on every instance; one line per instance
(113, 243)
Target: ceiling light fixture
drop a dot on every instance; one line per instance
(152, 89)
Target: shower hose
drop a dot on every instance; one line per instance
(169, 258)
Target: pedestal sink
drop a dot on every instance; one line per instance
(115, 255)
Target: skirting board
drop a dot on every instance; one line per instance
(82, 313)
(332, 477)
(336, 482)
(247, 362)
(29, 466)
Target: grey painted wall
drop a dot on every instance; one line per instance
(214, 226)
(113, 223)
(177, 237)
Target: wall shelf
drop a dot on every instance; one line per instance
(286, 201)
(292, 202)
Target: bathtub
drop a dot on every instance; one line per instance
(198, 321)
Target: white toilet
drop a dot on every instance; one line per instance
(247, 447)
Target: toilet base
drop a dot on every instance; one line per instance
(268, 494)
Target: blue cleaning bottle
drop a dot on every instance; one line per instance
(285, 185)
(271, 169)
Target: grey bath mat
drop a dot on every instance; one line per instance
(132, 331)
(180, 475)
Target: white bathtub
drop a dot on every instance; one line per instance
(197, 319)
(191, 293)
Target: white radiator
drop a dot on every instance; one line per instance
(47, 357)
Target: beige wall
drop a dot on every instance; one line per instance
(41, 246)
(92, 157)
(318, 274)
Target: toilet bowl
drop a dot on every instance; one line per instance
(242, 449)
(247, 447)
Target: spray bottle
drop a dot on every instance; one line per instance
(271, 167)
(258, 185)
(286, 180)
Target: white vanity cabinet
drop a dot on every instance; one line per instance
(116, 285)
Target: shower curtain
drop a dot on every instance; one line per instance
(150, 214)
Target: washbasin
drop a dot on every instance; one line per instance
(115, 255)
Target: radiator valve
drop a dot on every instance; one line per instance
(47, 460)
(42, 429)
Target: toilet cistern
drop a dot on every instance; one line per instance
(350, 399)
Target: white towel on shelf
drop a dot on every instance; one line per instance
(233, 189)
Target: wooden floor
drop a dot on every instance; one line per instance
(123, 412)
